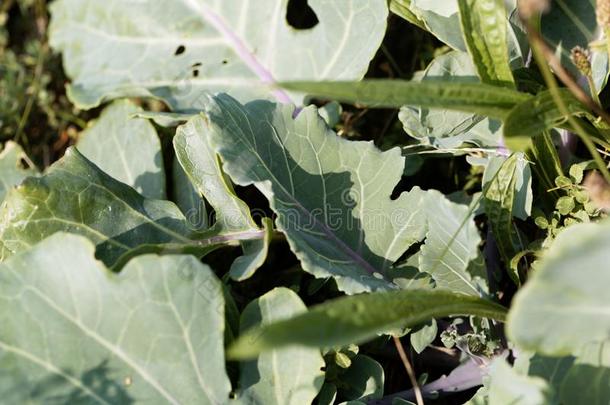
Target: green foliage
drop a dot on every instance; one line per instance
(433, 204)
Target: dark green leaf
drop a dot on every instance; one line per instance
(359, 318)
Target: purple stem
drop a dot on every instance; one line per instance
(240, 48)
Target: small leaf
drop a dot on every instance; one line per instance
(126, 148)
(424, 336)
(357, 319)
(12, 171)
(363, 380)
(81, 333)
(283, 376)
(482, 99)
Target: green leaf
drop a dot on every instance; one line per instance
(12, 169)
(442, 128)
(440, 19)
(356, 319)
(571, 23)
(536, 115)
(126, 148)
(560, 310)
(188, 199)
(363, 380)
(523, 195)
(485, 31)
(289, 375)
(80, 333)
(424, 336)
(177, 51)
(75, 196)
(337, 213)
(452, 242)
(499, 200)
(509, 387)
(482, 99)
(402, 8)
(204, 168)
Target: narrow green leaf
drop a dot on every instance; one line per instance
(483, 99)
(284, 376)
(359, 318)
(499, 200)
(536, 115)
(565, 306)
(484, 25)
(12, 169)
(75, 196)
(126, 148)
(79, 333)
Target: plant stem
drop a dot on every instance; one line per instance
(405, 360)
(545, 58)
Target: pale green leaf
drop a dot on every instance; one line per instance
(484, 24)
(178, 50)
(284, 376)
(204, 168)
(482, 99)
(363, 380)
(331, 195)
(402, 8)
(76, 333)
(188, 199)
(12, 168)
(356, 319)
(441, 19)
(564, 306)
(452, 242)
(423, 336)
(523, 195)
(126, 148)
(75, 196)
(509, 387)
(442, 128)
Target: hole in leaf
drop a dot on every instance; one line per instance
(180, 50)
(300, 16)
(196, 73)
(196, 65)
(224, 62)
(24, 164)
